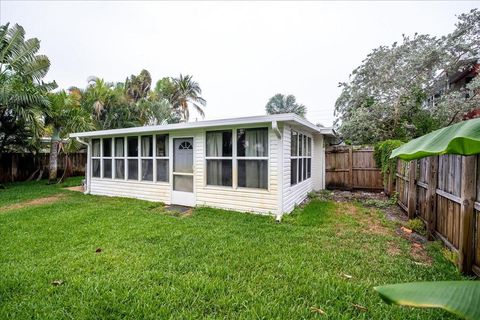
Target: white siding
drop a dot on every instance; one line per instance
(318, 162)
(150, 191)
(240, 199)
(293, 195)
(279, 198)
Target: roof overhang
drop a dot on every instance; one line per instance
(290, 118)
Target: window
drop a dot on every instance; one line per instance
(219, 158)
(132, 159)
(107, 157)
(119, 156)
(146, 156)
(252, 158)
(96, 158)
(301, 157)
(161, 155)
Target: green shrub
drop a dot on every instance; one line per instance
(417, 226)
(381, 154)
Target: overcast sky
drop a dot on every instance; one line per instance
(241, 53)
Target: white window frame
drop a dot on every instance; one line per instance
(140, 173)
(237, 157)
(127, 157)
(155, 157)
(102, 156)
(306, 154)
(115, 158)
(231, 158)
(99, 158)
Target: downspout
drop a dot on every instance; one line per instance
(88, 166)
(276, 130)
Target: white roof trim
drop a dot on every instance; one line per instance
(285, 117)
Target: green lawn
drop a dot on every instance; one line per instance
(211, 264)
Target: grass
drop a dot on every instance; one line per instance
(320, 262)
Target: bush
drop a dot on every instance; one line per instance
(417, 226)
(381, 154)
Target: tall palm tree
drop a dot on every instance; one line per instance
(65, 115)
(187, 93)
(22, 91)
(138, 87)
(280, 103)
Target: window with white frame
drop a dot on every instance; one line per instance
(219, 158)
(161, 156)
(300, 157)
(132, 158)
(107, 158)
(96, 158)
(119, 158)
(252, 158)
(146, 157)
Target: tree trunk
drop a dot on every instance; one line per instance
(53, 165)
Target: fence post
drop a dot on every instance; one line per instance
(468, 195)
(431, 205)
(350, 162)
(412, 190)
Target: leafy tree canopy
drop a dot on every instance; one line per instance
(389, 96)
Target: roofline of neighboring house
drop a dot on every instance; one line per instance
(284, 117)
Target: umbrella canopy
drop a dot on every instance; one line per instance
(462, 138)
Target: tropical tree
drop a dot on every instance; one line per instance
(22, 91)
(280, 103)
(138, 87)
(187, 94)
(64, 116)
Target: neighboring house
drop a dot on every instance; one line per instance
(265, 164)
(455, 81)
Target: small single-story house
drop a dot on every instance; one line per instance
(264, 164)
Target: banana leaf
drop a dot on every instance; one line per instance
(458, 297)
(462, 138)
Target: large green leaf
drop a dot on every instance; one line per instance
(459, 297)
(462, 138)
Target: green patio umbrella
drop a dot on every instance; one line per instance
(462, 138)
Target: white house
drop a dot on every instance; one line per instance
(263, 164)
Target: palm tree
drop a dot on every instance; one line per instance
(22, 91)
(65, 115)
(138, 87)
(280, 103)
(187, 93)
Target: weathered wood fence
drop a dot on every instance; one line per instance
(351, 167)
(19, 167)
(444, 192)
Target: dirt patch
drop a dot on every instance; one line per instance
(76, 188)
(417, 245)
(393, 249)
(368, 217)
(32, 203)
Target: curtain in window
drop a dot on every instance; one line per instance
(96, 168)
(119, 145)
(120, 169)
(146, 146)
(214, 149)
(253, 173)
(256, 142)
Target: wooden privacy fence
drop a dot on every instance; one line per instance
(19, 167)
(351, 167)
(444, 191)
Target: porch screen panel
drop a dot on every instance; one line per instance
(252, 155)
(219, 158)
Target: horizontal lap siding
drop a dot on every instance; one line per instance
(159, 192)
(293, 195)
(247, 200)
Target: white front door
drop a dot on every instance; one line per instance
(182, 193)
